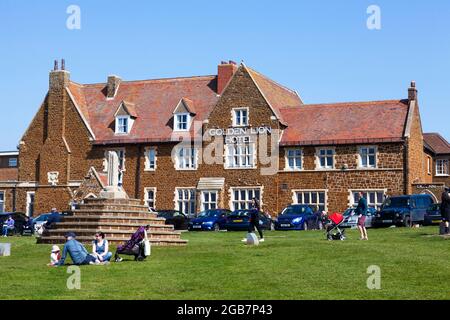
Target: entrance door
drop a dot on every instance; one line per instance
(30, 204)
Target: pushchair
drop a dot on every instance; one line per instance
(333, 232)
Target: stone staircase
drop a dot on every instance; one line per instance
(118, 219)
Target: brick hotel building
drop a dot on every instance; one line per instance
(327, 152)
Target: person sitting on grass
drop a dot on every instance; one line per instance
(77, 252)
(100, 248)
(134, 246)
(55, 256)
(8, 225)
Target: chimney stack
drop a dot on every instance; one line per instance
(225, 72)
(59, 79)
(412, 92)
(113, 86)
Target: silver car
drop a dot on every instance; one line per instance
(351, 219)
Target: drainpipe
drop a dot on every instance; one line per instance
(137, 186)
(406, 166)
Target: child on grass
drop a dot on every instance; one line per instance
(55, 256)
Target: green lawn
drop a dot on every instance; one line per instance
(415, 264)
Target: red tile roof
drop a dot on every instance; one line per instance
(276, 95)
(154, 102)
(9, 174)
(436, 143)
(342, 123)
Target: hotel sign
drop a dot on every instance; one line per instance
(239, 135)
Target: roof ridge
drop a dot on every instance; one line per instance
(345, 103)
(150, 80)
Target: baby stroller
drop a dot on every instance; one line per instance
(333, 230)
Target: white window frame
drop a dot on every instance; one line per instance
(146, 198)
(2, 201)
(248, 197)
(287, 167)
(14, 162)
(187, 161)
(237, 154)
(296, 200)
(192, 198)
(209, 204)
(148, 164)
(177, 122)
(440, 165)
(377, 205)
(319, 157)
(360, 158)
(237, 114)
(119, 126)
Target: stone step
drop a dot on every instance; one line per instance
(113, 207)
(117, 219)
(113, 226)
(113, 241)
(120, 234)
(112, 201)
(100, 212)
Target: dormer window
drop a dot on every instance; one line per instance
(240, 117)
(183, 114)
(122, 124)
(182, 121)
(125, 116)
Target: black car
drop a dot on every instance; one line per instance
(403, 210)
(20, 220)
(433, 215)
(239, 220)
(179, 220)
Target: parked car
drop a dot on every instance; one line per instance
(403, 210)
(352, 221)
(433, 215)
(296, 217)
(239, 220)
(210, 220)
(19, 221)
(176, 218)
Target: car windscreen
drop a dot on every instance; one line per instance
(240, 214)
(41, 218)
(209, 213)
(348, 212)
(294, 210)
(396, 203)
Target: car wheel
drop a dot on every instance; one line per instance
(305, 226)
(407, 221)
(216, 227)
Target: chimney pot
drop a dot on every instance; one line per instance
(55, 66)
(63, 64)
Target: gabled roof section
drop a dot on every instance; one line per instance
(276, 95)
(345, 123)
(127, 108)
(185, 106)
(436, 143)
(154, 102)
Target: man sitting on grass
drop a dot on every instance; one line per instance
(77, 252)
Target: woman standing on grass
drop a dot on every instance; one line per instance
(361, 211)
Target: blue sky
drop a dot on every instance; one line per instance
(320, 48)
